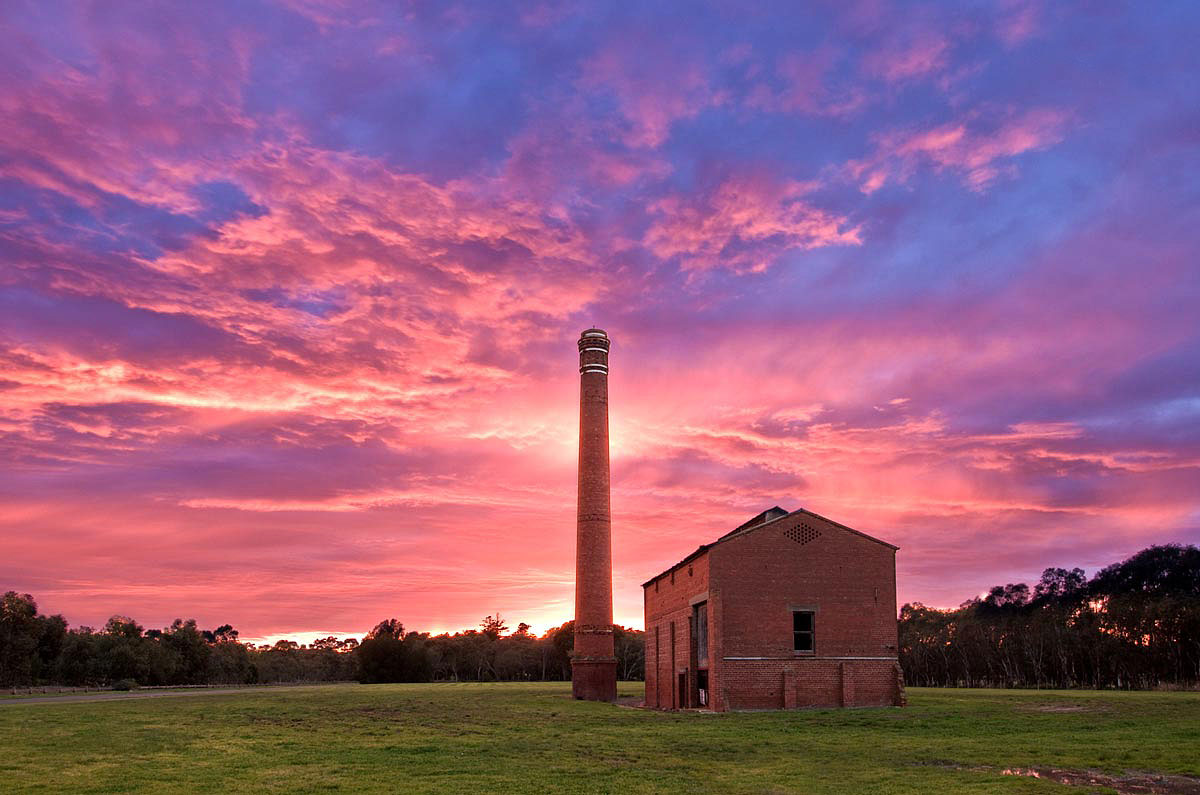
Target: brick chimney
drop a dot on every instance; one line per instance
(593, 664)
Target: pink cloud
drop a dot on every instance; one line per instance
(1019, 21)
(655, 85)
(483, 509)
(743, 225)
(919, 55)
(123, 128)
(562, 140)
(978, 155)
(318, 413)
(808, 86)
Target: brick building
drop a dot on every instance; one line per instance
(788, 610)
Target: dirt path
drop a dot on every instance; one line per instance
(135, 694)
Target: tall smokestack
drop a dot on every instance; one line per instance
(593, 665)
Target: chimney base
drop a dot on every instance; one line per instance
(594, 678)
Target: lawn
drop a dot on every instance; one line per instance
(534, 738)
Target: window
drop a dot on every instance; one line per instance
(802, 631)
(701, 624)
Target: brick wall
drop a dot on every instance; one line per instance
(788, 684)
(670, 601)
(753, 582)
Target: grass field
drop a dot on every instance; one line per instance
(533, 737)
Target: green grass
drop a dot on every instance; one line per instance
(533, 737)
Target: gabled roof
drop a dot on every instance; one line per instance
(769, 516)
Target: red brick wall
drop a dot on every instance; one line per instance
(753, 583)
(671, 601)
(784, 684)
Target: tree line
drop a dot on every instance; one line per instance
(36, 650)
(391, 654)
(1134, 625)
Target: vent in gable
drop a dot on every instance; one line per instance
(802, 533)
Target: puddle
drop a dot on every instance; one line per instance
(1128, 784)
(1131, 783)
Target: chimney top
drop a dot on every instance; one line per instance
(593, 351)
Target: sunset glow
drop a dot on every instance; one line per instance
(290, 294)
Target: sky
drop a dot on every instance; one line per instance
(290, 293)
